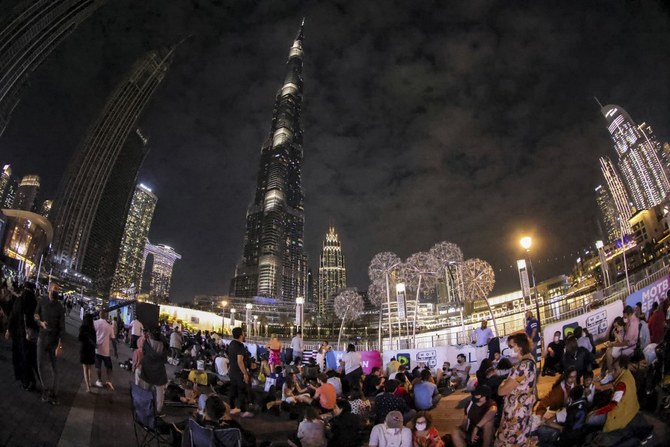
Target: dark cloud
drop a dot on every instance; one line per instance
(424, 121)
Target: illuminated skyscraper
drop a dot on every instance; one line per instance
(157, 271)
(27, 193)
(92, 205)
(45, 209)
(618, 193)
(332, 273)
(8, 187)
(28, 34)
(274, 263)
(135, 233)
(609, 213)
(639, 161)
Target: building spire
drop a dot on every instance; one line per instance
(596, 98)
(300, 34)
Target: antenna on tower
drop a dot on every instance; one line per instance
(601, 106)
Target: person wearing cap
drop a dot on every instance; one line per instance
(391, 432)
(478, 426)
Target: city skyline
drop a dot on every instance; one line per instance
(471, 123)
(332, 273)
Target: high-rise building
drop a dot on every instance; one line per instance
(332, 273)
(8, 188)
(28, 34)
(27, 193)
(157, 269)
(609, 213)
(639, 163)
(128, 273)
(274, 263)
(618, 193)
(92, 205)
(45, 210)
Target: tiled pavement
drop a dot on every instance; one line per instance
(103, 417)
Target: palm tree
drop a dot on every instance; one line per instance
(381, 267)
(419, 270)
(348, 306)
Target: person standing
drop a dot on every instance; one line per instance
(87, 343)
(352, 367)
(115, 330)
(533, 332)
(136, 330)
(22, 329)
(240, 379)
(297, 345)
(50, 316)
(481, 338)
(175, 343)
(153, 366)
(520, 395)
(103, 335)
(274, 347)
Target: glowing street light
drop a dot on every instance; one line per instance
(526, 242)
(232, 317)
(224, 303)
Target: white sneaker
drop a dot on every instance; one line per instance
(247, 414)
(235, 411)
(98, 384)
(108, 384)
(607, 379)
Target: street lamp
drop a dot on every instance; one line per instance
(249, 306)
(255, 325)
(224, 303)
(526, 242)
(232, 317)
(300, 311)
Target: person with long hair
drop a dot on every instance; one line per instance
(274, 347)
(424, 433)
(557, 398)
(87, 343)
(519, 391)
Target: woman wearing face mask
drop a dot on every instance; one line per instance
(552, 360)
(423, 433)
(557, 398)
(519, 392)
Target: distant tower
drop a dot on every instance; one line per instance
(8, 187)
(618, 192)
(27, 193)
(93, 201)
(332, 272)
(157, 267)
(45, 210)
(609, 213)
(274, 263)
(135, 233)
(639, 162)
(28, 34)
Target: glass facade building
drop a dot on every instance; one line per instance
(274, 263)
(332, 273)
(157, 268)
(26, 195)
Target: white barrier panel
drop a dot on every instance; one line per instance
(597, 321)
(435, 357)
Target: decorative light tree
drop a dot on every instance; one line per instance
(478, 282)
(376, 297)
(450, 261)
(348, 306)
(419, 271)
(381, 267)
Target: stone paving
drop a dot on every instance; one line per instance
(103, 417)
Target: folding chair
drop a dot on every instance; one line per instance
(195, 435)
(143, 406)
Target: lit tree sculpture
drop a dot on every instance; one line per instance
(450, 259)
(478, 281)
(376, 297)
(420, 271)
(381, 267)
(348, 306)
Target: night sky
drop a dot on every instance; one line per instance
(465, 121)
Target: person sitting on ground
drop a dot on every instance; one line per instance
(374, 382)
(589, 388)
(576, 356)
(443, 375)
(311, 371)
(221, 364)
(557, 397)
(402, 390)
(582, 340)
(624, 406)
(424, 433)
(387, 402)
(191, 394)
(325, 395)
(554, 356)
(401, 369)
(312, 429)
(478, 426)
(392, 366)
(484, 366)
(426, 395)
(292, 393)
(625, 338)
(460, 373)
(568, 426)
(198, 375)
(360, 405)
(345, 426)
(334, 380)
(391, 432)
(496, 359)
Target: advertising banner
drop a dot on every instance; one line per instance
(597, 321)
(654, 292)
(369, 359)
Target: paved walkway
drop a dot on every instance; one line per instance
(103, 417)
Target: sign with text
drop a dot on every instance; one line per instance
(596, 321)
(649, 295)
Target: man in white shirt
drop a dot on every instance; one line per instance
(391, 433)
(481, 338)
(352, 367)
(297, 345)
(136, 331)
(221, 363)
(103, 335)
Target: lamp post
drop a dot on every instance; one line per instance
(526, 243)
(247, 318)
(299, 312)
(255, 325)
(232, 317)
(224, 303)
(603, 263)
